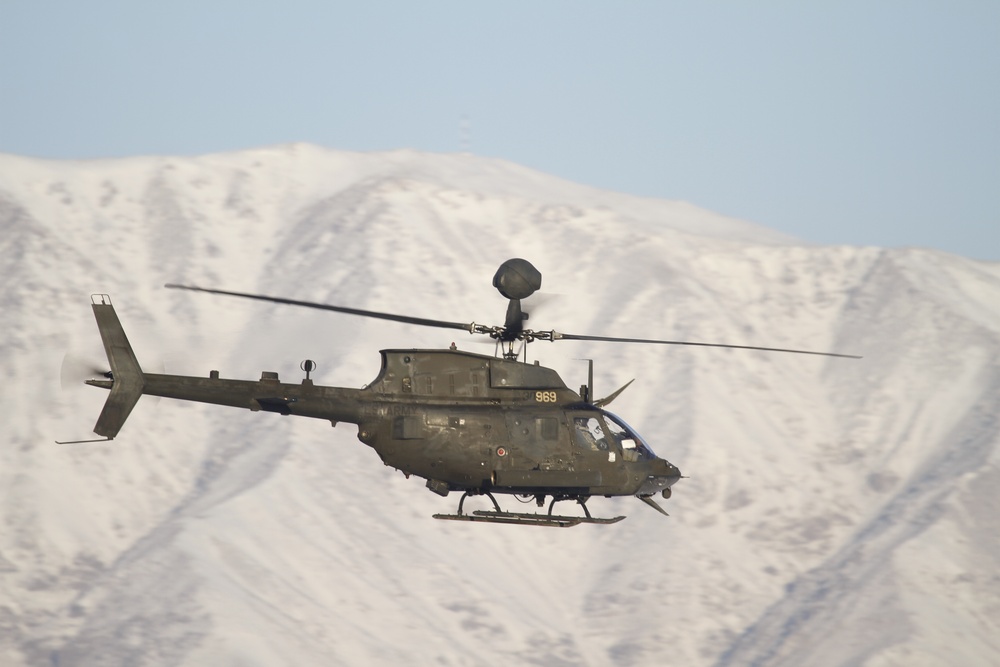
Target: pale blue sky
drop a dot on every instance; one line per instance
(865, 123)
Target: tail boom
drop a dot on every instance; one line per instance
(127, 383)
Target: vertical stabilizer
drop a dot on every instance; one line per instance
(126, 376)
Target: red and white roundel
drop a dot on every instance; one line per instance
(501, 451)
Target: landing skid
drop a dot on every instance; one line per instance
(525, 518)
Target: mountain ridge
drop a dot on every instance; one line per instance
(819, 490)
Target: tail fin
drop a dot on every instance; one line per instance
(127, 381)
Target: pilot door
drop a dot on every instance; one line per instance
(595, 447)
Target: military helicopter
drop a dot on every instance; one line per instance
(465, 422)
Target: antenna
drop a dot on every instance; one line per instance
(464, 134)
(587, 391)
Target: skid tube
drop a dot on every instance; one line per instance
(525, 518)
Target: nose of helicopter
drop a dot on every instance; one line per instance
(671, 474)
(664, 475)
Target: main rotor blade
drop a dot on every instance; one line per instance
(607, 339)
(338, 309)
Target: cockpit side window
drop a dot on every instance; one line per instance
(633, 447)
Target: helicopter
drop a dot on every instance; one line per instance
(471, 423)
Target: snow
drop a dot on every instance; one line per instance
(836, 511)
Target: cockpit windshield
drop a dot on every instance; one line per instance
(634, 448)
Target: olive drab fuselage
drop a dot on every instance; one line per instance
(463, 421)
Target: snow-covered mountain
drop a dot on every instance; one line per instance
(837, 512)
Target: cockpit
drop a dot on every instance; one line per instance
(634, 448)
(592, 433)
